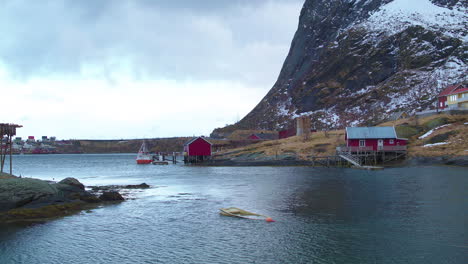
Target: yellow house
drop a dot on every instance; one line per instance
(458, 98)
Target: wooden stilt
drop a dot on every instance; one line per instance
(11, 156)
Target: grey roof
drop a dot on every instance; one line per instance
(370, 132)
(397, 115)
(266, 136)
(195, 138)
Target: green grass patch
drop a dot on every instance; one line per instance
(407, 131)
(436, 122)
(440, 138)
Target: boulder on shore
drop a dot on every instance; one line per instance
(26, 198)
(138, 186)
(72, 182)
(111, 196)
(18, 192)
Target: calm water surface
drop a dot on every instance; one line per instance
(399, 215)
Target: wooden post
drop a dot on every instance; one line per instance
(1, 148)
(11, 157)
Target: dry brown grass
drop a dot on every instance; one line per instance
(6, 176)
(318, 144)
(457, 144)
(419, 121)
(324, 144)
(243, 134)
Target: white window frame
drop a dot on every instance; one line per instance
(380, 144)
(362, 143)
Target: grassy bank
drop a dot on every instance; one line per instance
(444, 136)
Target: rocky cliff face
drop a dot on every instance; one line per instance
(355, 62)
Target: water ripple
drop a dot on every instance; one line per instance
(398, 215)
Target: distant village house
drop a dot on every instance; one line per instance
(399, 115)
(453, 97)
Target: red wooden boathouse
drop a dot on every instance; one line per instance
(197, 149)
(373, 139)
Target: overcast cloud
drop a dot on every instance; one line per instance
(123, 69)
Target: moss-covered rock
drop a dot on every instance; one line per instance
(17, 192)
(48, 211)
(26, 199)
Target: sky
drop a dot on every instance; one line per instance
(138, 68)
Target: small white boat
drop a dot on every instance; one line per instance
(237, 212)
(143, 156)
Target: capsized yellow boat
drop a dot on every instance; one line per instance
(237, 212)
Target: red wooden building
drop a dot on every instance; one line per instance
(373, 139)
(287, 133)
(442, 102)
(197, 149)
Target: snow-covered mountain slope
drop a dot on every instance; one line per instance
(398, 15)
(355, 62)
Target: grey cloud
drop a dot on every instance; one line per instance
(235, 40)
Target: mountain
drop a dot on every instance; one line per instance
(355, 62)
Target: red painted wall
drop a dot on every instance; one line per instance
(287, 133)
(199, 147)
(443, 100)
(374, 142)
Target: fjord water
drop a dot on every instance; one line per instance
(398, 215)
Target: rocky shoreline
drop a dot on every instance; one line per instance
(461, 161)
(28, 199)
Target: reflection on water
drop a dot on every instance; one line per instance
(400, 215)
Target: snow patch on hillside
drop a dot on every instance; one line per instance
(428, 133)
(435, 144)
(398, 15)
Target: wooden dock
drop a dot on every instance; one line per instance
(7, 131)
(366, 160)
(161, 158)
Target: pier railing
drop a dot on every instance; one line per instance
(369, 149)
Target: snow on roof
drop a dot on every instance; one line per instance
(370, 132)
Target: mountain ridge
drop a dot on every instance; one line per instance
(355, 62)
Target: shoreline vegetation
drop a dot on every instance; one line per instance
(433, 140)
(438, 139)
(29, 200)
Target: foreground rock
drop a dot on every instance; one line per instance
(461, 161)
(34, 199)
(111, 196)
(73, 182)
